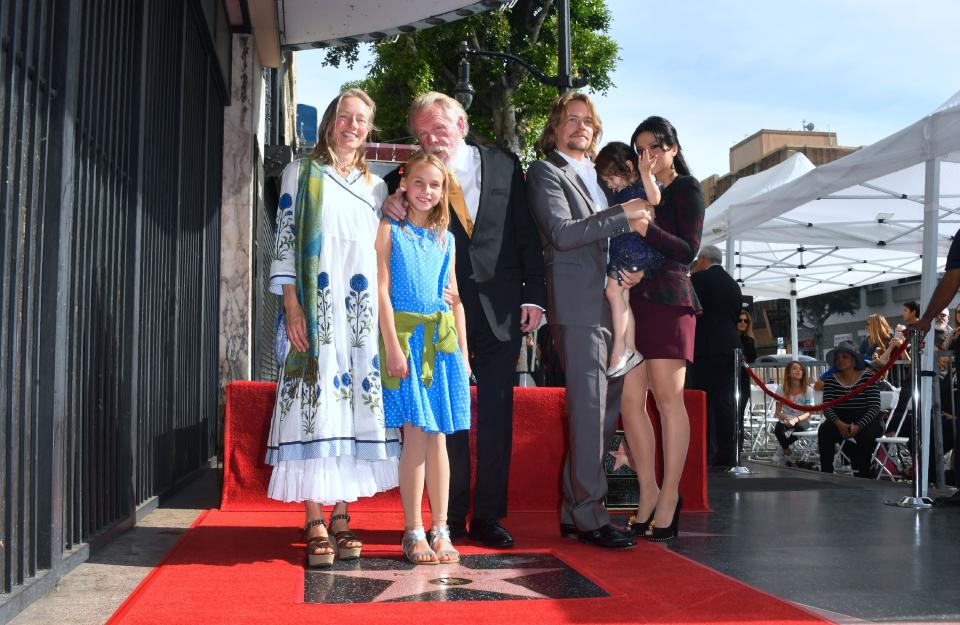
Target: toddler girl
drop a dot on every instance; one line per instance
(616, 166)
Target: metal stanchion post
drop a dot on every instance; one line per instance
(917, 501)
(737, 469)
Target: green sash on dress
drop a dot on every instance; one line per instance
(441, 323)
(307, 228)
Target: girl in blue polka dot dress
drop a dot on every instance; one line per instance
(423, 352)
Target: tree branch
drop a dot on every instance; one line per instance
(534, 29)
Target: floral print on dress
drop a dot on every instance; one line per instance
(372, 395)
(286, 230)
(324, 309)
(359, 310)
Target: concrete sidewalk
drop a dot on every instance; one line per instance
(90, 593)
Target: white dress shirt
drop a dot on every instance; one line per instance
(465, 166)
(588, 175)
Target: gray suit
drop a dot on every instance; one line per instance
(576, 238)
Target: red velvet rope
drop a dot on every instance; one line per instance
(856, 391)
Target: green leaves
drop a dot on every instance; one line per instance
(510, 107)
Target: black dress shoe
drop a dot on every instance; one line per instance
(568, 530)
(458, 529)
(607, 536)
(491, 534)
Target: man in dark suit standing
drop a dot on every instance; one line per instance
(499, 263)
(716, 339)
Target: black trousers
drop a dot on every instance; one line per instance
(780, 431)
(494, 364)
(859, 453)
(715, 376)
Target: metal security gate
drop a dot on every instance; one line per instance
(111, 143)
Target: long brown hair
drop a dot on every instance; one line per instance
(323, 151)
(548, 138)
(878, 331)
(749, 330)
(439, 217)
(788, 381)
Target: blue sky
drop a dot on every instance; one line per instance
(720, 70)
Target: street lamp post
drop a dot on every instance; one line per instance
(564, 80)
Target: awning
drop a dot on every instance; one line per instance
(312, 24)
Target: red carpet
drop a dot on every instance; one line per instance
(539, 439)
(247, 567)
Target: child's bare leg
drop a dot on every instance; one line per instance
(413, 459)
(631, 333)
(620, 310)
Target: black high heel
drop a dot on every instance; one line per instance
(661, 535)
(635, 528)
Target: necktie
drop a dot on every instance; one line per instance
(460, 205)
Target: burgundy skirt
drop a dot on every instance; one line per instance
(664, 331)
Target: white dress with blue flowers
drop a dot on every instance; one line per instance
(328, 441)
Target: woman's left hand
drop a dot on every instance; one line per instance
(647, 163)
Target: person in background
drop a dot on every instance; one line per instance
(749, 346)
(856, 418)
(797, 389)
(716, 340)
(878, 336)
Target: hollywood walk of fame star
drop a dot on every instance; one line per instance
(426, 578)
(621, 457)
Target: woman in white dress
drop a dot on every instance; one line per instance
(328, 444)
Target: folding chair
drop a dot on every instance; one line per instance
(889, 460)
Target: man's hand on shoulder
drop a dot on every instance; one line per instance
(395, 206)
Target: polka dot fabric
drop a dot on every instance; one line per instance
(419, 269)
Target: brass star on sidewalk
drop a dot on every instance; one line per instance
(621, 457)
(432, 578)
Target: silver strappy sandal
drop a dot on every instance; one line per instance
(444, 556)
(409, 544)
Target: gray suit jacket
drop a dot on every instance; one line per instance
(575, 239)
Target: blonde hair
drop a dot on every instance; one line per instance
(439, 217)
(323, 151)
(878, 331)
(434, 98)
(548, 138)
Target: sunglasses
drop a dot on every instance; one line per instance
(743, 321)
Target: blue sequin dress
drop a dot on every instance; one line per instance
(419, 270)
(630, 252)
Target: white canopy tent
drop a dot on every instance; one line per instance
(880, 204)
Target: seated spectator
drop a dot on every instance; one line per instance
(857, 418)
(797, 389)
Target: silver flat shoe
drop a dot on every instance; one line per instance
(409, 545)
(437, 534)
(628, 361)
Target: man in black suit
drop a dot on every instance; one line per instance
(499, 263)
(716, 339)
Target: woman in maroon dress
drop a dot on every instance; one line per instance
(665, 308)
